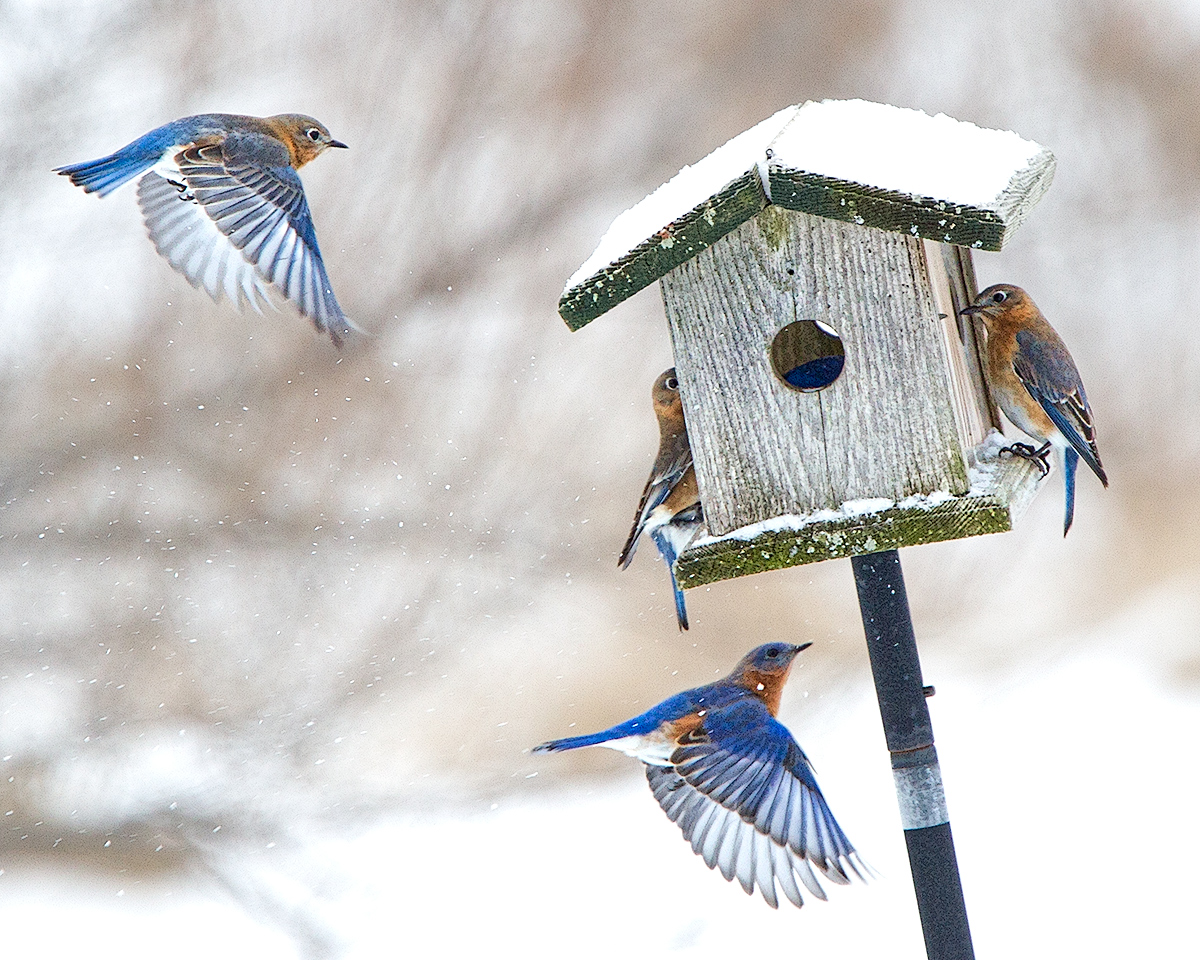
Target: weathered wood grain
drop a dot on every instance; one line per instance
(885, 428)
(952, 274)
(961, 270)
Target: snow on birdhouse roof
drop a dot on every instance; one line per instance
(866, 163)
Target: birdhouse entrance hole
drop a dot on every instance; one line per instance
(807, 355)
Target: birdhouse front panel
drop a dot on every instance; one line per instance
(884, 428)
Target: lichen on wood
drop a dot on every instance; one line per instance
(658, 255)
(981, 228)
(1001, 490)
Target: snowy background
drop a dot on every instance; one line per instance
(278, 626)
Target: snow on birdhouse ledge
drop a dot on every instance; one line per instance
(1001, 489)
(865, 163)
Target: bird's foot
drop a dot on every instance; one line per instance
(184, 193)
(1039, 456)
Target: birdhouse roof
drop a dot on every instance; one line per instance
(866, 163)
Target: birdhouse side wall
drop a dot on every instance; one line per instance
(952, 272)
(886, 428)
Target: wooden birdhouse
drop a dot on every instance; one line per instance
(812, 272)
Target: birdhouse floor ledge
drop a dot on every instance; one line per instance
(1001, 490)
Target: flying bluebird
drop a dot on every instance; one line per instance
(224, 205)
(670, 508)
(1034, 381)
(741, 789)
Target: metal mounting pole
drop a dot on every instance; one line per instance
(909, 732)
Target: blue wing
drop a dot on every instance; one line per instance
(1046, 369)
(673, 461)
(256, 201)
(185, 236)
(744, 794)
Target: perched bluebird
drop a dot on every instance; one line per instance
(224, 205)
(1034, 381)
(741, 789)
(670, 508)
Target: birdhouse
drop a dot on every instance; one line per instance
(812, 273)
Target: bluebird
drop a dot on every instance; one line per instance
(1034, 381)
(224, 205)
(670, 510)
(739, 787)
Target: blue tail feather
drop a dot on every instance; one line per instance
(103, 176)
(667, 547)
(680, 609)
(570, 743)
(1070, 463)
(643, 723)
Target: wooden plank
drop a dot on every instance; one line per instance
(960, 268)
(949, 277)
(885, 428)
(747, 431)
(981, 227)
(889, 420)
(673, 244)
(1001, 490)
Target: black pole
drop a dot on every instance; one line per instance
(909, 732)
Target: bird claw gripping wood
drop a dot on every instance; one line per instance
(1039, 456)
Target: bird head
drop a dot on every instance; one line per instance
(996, 300)
(306, 138)
(665, 392)
(668, 406)
(764, 670)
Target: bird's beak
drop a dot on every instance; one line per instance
(803, 646)
(970, 311)
(338, 143)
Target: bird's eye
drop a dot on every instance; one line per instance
(672, 383)
(999, 296)
(772, 653)
(313, 134)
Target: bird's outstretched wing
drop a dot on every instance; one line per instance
(742, 791)
(188, 240)
(256, 202)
